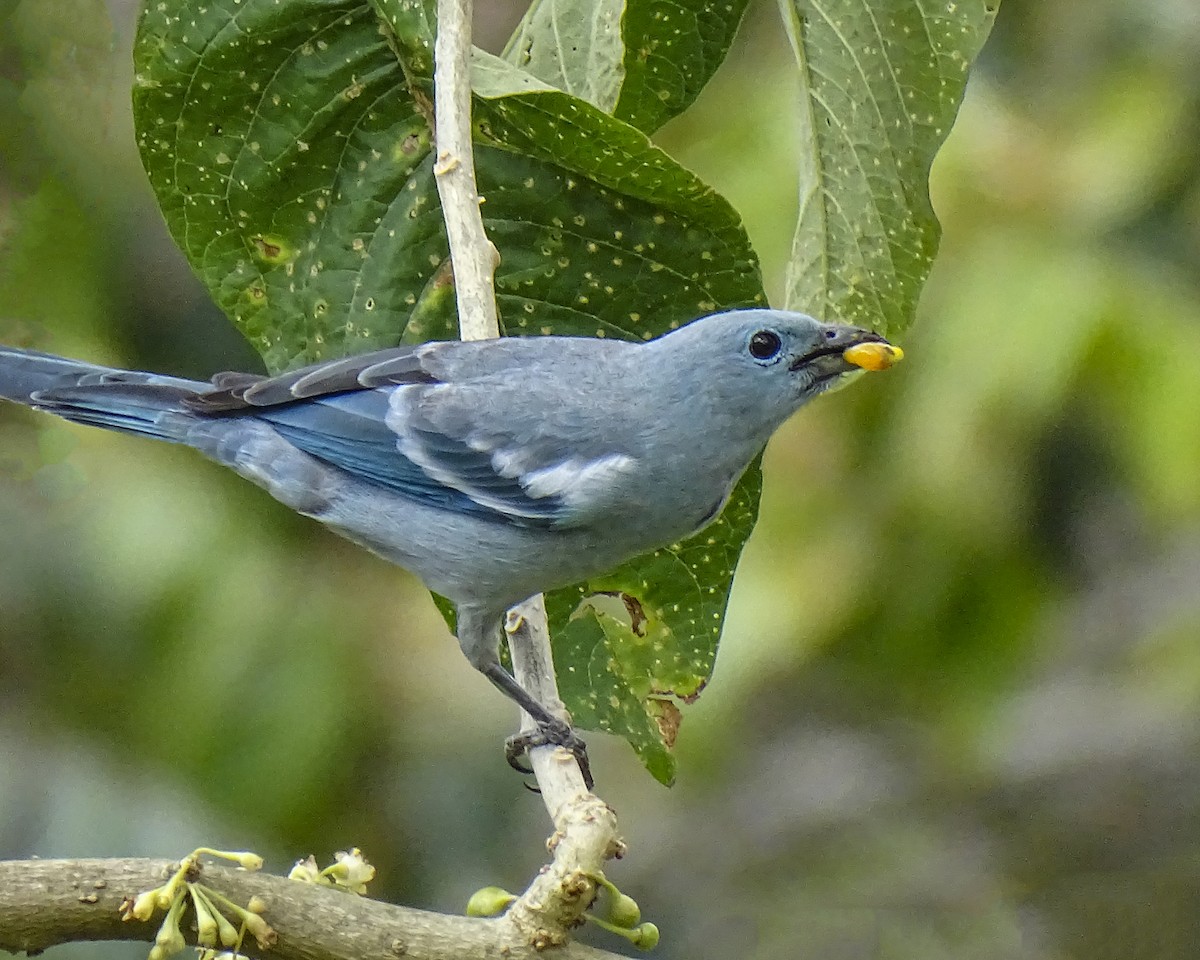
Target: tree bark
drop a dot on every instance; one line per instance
(47, 902)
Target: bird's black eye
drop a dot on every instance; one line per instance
(765, 344)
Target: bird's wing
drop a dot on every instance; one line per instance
(495, 429)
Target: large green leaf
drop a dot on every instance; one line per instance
(882, 81)
(288, 142)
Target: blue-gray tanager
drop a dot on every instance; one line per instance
(493, 470)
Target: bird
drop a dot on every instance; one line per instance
(496, 469)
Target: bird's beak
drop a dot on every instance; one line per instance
(847, 348)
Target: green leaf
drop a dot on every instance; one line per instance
(544, 122)
(882, 81)
(575, 47)
(637, 640)
(289, 146)
(297, 185)
(645, 71)
(672, 49)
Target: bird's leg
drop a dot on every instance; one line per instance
(479, 638)
(550, 730)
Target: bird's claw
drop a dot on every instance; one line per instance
(554, 733)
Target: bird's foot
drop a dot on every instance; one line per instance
(548, 733)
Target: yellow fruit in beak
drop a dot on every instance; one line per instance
(873, 356)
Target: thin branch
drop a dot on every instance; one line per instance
(472, 254)
(585, 827)
(585, 836)
(47, 902)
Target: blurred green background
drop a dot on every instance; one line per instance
(957, 707)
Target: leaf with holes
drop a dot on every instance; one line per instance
(882, 84)
(642, 639)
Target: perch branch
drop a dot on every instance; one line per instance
(585, 834)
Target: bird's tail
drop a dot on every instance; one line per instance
(150, 405)
(139, 403)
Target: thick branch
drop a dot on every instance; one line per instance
(47, 902)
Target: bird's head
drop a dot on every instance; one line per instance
(781, 358)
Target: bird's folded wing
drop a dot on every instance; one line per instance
(498, 446)
(515, 451)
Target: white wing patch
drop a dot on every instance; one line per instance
(504, 476)
(580, 484)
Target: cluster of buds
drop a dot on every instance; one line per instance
(215, 931)
(620, 913)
